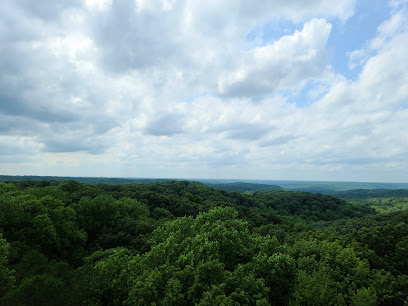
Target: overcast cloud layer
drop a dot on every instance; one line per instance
(202, 89)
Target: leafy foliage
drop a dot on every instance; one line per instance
(184, 243)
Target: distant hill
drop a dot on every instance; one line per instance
(243, 187)
(86, 180)
(332, 187)
(308, 206)
(360, 194)
(324, 187)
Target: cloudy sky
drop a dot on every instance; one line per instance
(205, 89)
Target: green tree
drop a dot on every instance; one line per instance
(6, 275)
(39, 290)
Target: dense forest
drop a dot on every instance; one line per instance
(185, 243)
(243, 187)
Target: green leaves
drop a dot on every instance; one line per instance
(39, 290)
(112, 223)
(208, 259)
(6, 275)
(332, 274)
(82, 244)
(44, 224)
(216, 235)
(363, 297)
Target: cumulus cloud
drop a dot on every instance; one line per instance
(290, 61)
(165, 125)
(364, 119)
(17, 145)
(386, 31)
(142, 34)
(174, 88)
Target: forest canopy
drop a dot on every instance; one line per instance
(184, 243)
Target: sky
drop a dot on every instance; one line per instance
(279, 90)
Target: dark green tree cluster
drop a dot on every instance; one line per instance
(307, 206)
(183, 243)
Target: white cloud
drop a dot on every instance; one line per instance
(287, 63)
(13, 146)
(98, 4)
(173, 88)
(395, 4)
(385, 32)
(363, 121)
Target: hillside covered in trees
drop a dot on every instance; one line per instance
(184, 243)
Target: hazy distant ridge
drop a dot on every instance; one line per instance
(325, 187)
